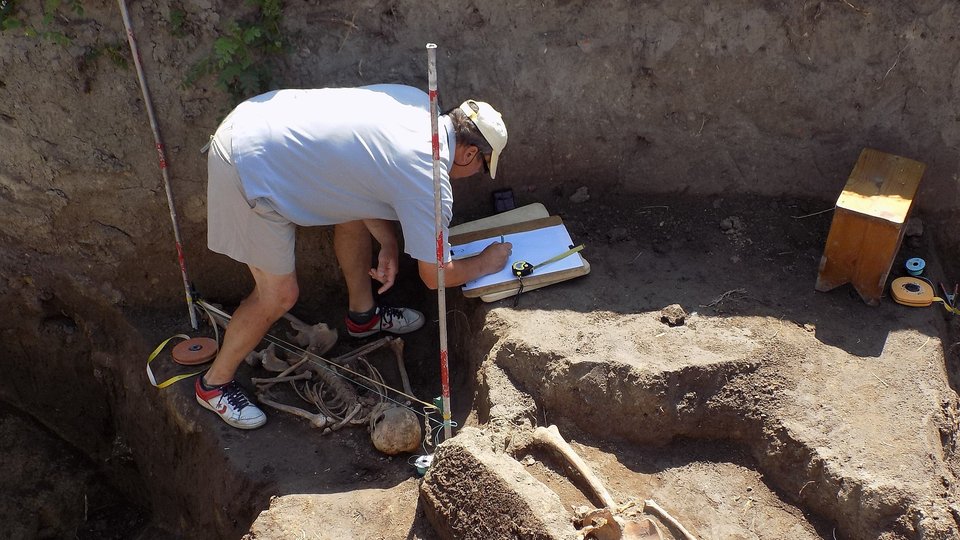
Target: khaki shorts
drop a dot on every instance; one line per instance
(251, 232)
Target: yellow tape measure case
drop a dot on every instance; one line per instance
(911, 291)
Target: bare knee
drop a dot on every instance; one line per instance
(276, 294)
(286, 296)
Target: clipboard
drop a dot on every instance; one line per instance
(523, 219)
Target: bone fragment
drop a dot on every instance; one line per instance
(651, 507)
(601, 525)
(610, 524)
(255, 358)
(316, 420)
(550, 438)
(318, 338)
(268, 359)
(641, 530)
(396, 346)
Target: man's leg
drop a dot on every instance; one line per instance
(353, 246)
(272, 296)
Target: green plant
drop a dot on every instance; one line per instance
(178, 19)
(56, 17)
(242, 55)
(7, 21)
(115, 52)
(10, 19)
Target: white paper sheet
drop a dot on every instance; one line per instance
(532, 246)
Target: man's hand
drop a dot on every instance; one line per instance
(385, 233)
(387, 266)
(494, 257)
(491, 260)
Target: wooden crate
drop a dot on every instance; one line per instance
(868, 223)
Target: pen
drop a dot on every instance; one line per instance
(501, 238)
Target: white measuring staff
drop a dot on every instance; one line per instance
(441, 244)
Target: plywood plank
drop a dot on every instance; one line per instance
(882, 185)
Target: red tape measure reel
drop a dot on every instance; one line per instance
(195, 351)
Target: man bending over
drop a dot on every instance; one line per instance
(359, 159)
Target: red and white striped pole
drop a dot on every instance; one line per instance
(441, 245)
(163, 161)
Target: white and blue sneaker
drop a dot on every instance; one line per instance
(231, 403)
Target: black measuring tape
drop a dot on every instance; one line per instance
(524, 269)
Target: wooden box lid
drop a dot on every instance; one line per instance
(882, 185)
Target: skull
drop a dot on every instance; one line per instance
(396, 430)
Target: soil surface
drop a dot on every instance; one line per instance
(773, 411)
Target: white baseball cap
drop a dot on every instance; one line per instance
(491, 126)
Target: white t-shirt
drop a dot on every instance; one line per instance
(327, 156)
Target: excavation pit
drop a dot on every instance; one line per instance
(774, 411)
(697, 149)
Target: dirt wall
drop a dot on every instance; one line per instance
(749, 96)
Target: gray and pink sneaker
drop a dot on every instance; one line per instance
(387, 319)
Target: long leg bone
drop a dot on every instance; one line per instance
(316, 420)
(282, 378)
(550, 438)
(366, 349)
(396, 346)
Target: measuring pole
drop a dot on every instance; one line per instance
(441, 245)
(163, 161)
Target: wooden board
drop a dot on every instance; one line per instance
(509, 228)
(524, 213)
(882, 186)
(868, 224)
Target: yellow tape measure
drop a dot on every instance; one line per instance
(524, 269)
(914, 292)
(190, 354)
